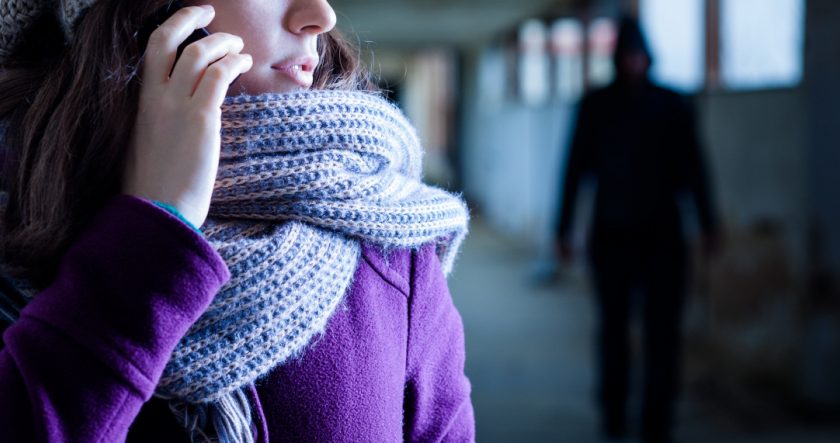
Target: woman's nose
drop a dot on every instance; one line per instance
(310, 17)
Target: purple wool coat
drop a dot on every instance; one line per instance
(83, 361)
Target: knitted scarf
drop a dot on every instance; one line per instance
(303, 179)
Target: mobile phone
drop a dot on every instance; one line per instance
(198, 34)
(163, 15)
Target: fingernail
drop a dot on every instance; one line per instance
(208, 8)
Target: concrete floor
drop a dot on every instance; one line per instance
(529, 357)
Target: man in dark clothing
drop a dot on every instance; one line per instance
(639, 143)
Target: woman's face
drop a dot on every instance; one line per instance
(280, 35)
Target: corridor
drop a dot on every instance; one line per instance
(529, 359)
(494, 89)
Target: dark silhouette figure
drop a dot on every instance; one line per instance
(639, 142)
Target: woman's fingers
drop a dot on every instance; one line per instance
(164, 41)
(197, 57)
(213, 85)
(174, 151)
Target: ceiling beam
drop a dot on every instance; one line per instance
(390, 23)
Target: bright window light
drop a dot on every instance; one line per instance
(676, 33)
(761, 43)
(601, 34)
(567, 47)
(533, 62)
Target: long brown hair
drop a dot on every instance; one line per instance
(70, 111)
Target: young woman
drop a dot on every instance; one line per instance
(227, 244)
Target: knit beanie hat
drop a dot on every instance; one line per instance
(16, 16)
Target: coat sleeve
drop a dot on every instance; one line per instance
(88, 351)
(438, 406)
(578, 163)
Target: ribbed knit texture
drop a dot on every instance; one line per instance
(303, 177)
(69, 12)
(16, 16)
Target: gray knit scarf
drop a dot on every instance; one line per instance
(303, 179)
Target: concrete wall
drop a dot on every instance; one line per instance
(821, 348)
(747, 302)
(511, 152)
(773, 297)
(822, 82)
(756, 145)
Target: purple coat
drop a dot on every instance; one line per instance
(83, 361)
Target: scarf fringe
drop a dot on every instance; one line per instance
(227, 420)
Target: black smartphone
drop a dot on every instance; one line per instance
(164, 14)
(198, 34)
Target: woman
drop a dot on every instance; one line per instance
(217, 246)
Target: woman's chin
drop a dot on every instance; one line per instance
(276, 85)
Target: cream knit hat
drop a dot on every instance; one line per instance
(18, 15)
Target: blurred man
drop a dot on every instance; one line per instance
(638, 141)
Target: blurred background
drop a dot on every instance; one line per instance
(493, 87)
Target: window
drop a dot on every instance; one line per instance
(567, 48)
(676, 31)
(756, 44)
(533, 63)
(761, 43)
(733, 44)
(602, 34)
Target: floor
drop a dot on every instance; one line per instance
(529, 358)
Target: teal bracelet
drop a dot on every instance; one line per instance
(171, 209)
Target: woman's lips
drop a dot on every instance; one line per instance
(300, 70)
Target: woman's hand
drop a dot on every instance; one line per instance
(174, 153)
